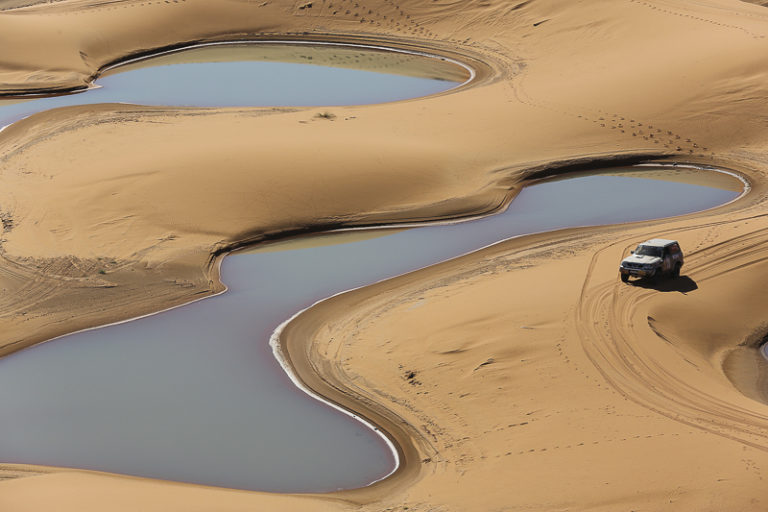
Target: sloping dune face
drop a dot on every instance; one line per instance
(523, 376)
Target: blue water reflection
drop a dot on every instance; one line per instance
(237, 84)
(195, 395)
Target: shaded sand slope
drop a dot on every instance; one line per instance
(540, 382)
(573, 397)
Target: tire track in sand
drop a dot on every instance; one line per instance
(609, 319)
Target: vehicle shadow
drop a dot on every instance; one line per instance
(682, 284)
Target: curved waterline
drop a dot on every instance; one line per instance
(265, 42)
(276, 340)
(529, 212)
(258, 74)
(46, 102)
(391, 444)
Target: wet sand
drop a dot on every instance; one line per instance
(540, 381)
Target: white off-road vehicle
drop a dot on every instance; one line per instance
(653, 258)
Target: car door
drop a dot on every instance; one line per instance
(666, 266)
(676, 253)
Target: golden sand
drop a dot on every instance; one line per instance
(541, 382)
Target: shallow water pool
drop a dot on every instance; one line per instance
(238, 75)
(195, 394)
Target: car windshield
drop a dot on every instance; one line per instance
(647, 250)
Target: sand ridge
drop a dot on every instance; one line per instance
(540, 382)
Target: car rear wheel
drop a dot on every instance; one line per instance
(676, 271)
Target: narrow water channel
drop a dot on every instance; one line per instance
(217, 410)
(195, 394)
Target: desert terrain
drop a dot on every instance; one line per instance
(524, 376)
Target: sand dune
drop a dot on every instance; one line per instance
(540, 381)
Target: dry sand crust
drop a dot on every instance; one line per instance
(520, 377)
